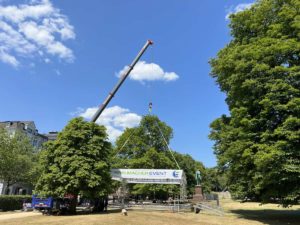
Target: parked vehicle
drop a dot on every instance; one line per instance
(50, 205)
(27, 206)
(42, 204)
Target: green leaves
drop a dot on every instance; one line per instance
(77, 162)
(258, 144)
(144, 147)
(17, 158)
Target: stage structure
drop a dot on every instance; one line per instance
(152, 176)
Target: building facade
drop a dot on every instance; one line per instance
(26, 127)
(51, 136)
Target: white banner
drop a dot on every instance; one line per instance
(144, 174)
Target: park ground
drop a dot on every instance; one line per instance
(235, 213)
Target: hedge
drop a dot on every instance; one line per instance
(13, 202)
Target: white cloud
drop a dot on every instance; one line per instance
(239, 8)
(148, 72)
(36, 29)
(6, 58)
(78, 111)
(113, 133)
(115, 119)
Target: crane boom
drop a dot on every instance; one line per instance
(120, 82)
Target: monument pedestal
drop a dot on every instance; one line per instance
(198, 196)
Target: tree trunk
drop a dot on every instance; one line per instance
(7, 188)
(98, 205)
(73, 204)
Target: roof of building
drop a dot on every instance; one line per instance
(17, 121)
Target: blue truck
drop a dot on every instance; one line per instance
(50, 205)
(44, 205)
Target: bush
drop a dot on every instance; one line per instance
(13, 202)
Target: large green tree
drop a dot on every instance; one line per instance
(145, 144)
(216, 180)
(77, 162)
(145, 147)
(17, 157)
(258, 145)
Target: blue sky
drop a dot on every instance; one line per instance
(59, 59)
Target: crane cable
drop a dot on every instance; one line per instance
(165, 141)
(150, 112)
(124, 144)
(161, 133)
(167, 145)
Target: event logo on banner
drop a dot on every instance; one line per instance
(175, 173)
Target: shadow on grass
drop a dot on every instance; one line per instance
(271, 217)
(110, 211)
(85, 212)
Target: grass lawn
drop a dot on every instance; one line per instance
(236, 213)
(266, 214)
(10, 212)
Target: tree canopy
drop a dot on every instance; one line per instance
(145, 147)
(258, 144)
(77, 162)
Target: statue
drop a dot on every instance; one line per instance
(198, 194)
(198, 177)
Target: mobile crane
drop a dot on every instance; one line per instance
(48, 205)
(120, 82)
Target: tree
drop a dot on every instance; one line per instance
(16, 159)
(77, 162)
(217, 181)
(144, 147)
(137, 141)
(257, 145)
(190, 166)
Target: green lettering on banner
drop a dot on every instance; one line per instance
(134, 172)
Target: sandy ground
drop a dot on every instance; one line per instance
(17, 215)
